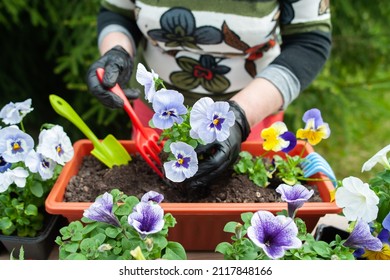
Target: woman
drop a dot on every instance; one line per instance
(256, 54)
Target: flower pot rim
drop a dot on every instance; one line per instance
(55, 205)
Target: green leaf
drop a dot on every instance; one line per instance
(76, 257)
(37, 189)
(170, 221)
(5, 223)
(230, 227)
(71, 247)
(246, 217)
(112, 232)
(31, 210)
(174, 251)
(321, 248)
(223, 247)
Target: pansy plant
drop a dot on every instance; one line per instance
(279, 140)
(28, 169)
(121, 227)
(183, 128)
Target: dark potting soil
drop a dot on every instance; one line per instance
(137, 178)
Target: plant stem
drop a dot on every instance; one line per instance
(303, 150)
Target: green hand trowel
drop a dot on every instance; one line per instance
(109, 151)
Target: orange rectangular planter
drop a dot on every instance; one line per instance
(199, 225)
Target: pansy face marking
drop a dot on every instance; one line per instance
(16, 147)
(59, 150)
(182, 161)
(217, 122)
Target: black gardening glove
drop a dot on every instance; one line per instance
(216, 157)
(118, 67)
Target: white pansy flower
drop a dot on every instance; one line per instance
(379, 157)
(37, 163)
(147, 79)
(13, 113)
(357, 200)
(15, 144)
(19, 176)
(55, 144)
(5, 180)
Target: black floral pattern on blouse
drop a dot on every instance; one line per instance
(178, 29)
(206, 72)
(287, 11)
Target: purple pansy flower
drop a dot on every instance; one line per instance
(15, 144)
(386, 222)
(185, 164)
(101, 210)
(316, 129)
(211, 120)
(152, 196)
(147, 218)
(295, 196)
(168, 107)
(273, 234)
(4, 165)
(278, 138)
(362, 238)
(289, 137)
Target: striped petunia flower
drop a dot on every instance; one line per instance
(147, 218)
(273, 234)
(101, 210)
(295, 196)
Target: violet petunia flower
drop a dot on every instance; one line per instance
(185, 164)
(15, 144)
(147, 79)
(101, 210)
(168, 107)
(362, 238)
(147, 218)
(13, 113)
(211, 120)
(153, 197)
(273, 234)
(295, 196)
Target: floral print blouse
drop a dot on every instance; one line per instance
(216, 47)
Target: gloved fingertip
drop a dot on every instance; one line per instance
(132, 93)
(111, 75)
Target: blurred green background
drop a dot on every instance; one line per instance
(47, 46)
